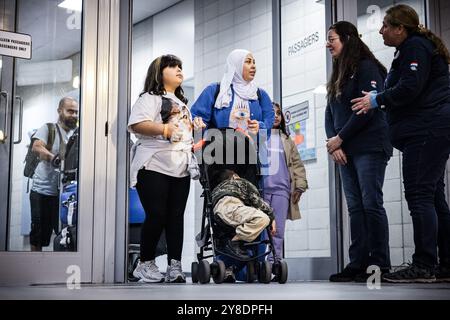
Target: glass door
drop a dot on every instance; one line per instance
(40, 118)
(311, 246)
(6, 23)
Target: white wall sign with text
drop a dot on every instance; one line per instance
(17, 45)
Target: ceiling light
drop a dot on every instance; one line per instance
(74, 5)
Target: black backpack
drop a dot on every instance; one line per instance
(32, 159)
(71, 156)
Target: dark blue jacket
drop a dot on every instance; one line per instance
(219, 118)
(417, 90)
(364, 133)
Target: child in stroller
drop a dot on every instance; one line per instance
(234, 236)
(237, 202)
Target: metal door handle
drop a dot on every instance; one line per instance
(20, 119)
(4, 133)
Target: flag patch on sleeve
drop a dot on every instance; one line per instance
(414, 66)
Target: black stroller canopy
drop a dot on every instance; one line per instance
(229, 149)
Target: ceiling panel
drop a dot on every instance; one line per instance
(143, 9)
(47, 24)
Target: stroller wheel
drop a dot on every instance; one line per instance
(194, 272)
(283, 272)
(250, 272)
(204, 272)
(265, 272)
(218, 271)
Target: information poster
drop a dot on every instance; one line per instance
(301, 128)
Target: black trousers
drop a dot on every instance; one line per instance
(44, 218)
(164, 200)
(424, 162)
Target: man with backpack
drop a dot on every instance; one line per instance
(48, 144)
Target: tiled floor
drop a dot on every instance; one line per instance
(238, 291)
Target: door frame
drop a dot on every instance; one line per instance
(6, 89)
(53, 267)
(311, 268)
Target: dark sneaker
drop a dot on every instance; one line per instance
(443, 274)
(229, 275)
(363, 276)
(347, 275)
(411, 274)
(234, 248)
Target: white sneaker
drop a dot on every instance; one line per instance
(148, 272)
(174, 273)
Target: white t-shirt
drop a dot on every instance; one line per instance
(154, 152)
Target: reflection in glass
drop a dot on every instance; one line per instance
(304, 74)
(44, 175)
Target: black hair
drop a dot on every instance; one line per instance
(154, 81)
(222, 175)
(283, 127)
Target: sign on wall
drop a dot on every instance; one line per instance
(298, 46)
(17, 45)
(299, 125)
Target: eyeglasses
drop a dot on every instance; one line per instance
(331, 40)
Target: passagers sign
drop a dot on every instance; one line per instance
(17, 45)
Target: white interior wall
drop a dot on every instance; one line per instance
(168, 32)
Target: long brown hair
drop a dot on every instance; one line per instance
(353, 51)
(154, 81)
(406, 16)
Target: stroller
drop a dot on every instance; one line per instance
(238, 154)
(66, 239)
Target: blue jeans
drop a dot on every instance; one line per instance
(424, 161)
(363, 179)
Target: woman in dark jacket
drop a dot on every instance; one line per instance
(417, 101)
(361, 148)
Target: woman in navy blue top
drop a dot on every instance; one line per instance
(361, 148)
(417, 100)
